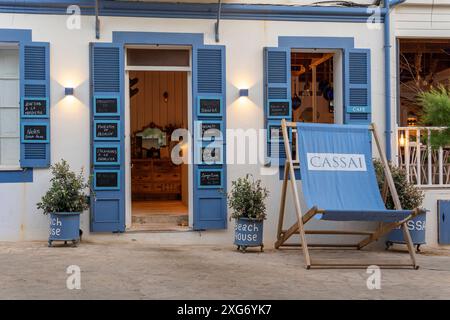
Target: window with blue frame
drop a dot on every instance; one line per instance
(9, 107)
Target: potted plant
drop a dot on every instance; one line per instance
(65, 201)
(246, 199)
(410, 197)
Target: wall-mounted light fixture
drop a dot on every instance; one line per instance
(243, 92)
(166, 96)
(68, 91)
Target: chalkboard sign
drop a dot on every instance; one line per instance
(34, 133)
(106, 154)
(210, 107)
(275, 132)
(210, 178)
(106, 130)
(279, 109)
(106, 179)
(34, 108)
(106, 106)
(211, 154)
(215, 130)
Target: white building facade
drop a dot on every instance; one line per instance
(231, 46)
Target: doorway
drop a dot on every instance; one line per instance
(158, 81)
(312, 87)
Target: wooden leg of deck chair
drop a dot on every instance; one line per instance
(286, 235)
(294, 228)
(384, 229)
(298, 209)
(409, 244)
(282, 206)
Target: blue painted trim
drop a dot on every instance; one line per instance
(289, 116)
(34, 123)
(161, 38)
(213, 144)
(17, 176)
(294, 42)
(118, 122)
(209, 187)
(195, 10)
(106, 96)
(14, 35)
(47, 109)
(198, 130)
(209, 115)
(387, 80)
(106, 188)
(107, 145)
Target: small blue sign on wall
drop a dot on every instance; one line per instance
(358, 109)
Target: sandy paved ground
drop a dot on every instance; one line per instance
(30, 270)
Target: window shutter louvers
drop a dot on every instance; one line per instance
(35, 85)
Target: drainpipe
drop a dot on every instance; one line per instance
(388, 4)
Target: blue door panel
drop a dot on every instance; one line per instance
(444, 221)
(210, 207)
(108, 203)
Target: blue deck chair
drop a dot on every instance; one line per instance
(339, 184)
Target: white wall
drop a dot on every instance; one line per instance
(69, 57)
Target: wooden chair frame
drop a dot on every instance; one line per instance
(299, 227)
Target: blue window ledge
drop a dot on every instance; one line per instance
(17, 176)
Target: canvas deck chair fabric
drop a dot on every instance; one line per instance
(339, 184)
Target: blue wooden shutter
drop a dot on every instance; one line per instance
(108, 204)
(210, 207)
(357, 99)
(277, 87)
(34, 85)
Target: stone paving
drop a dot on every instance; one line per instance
(30, 270)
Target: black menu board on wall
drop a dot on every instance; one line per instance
(35, 133)
(279, 109)
(210, 178)
(107, 179)
(35, 107)
(106, 154)
(210, 107)
(107, 130)
(106, 106)
(214, 127)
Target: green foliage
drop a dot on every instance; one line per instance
(246, 199)
(436, 112)
(66, 193)
(410, 196)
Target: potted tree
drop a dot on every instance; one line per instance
(64, 202)
(246, 199)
